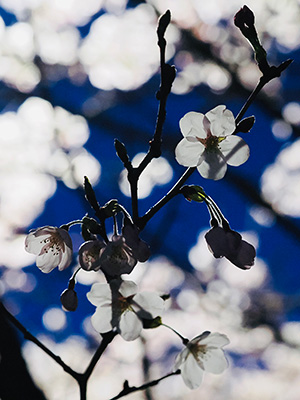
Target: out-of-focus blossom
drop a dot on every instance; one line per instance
(120, 306)
(89, 254)
(126, 56)
(228, 243)
(53, 247)
(208, 143)
(159, 172)
(203, 353)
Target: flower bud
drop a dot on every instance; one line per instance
(69, 299)
(244, 17)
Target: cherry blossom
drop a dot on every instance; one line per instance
(53, 247)
(203, 353)
(118, 256)
(208, 143)
(120, 306)
(228, 243)
(89, 254)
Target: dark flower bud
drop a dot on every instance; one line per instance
(151, 323)
(69, 299)
(193, 192)
(245, 125)
(121, 152)
(244, 17)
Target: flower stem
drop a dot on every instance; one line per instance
(141, 223)
(250, 99)
(184, 340)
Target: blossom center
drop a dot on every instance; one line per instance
(211, 142)
(123, 303)
(53, 243)
(198, 350)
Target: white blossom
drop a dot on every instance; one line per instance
(120, 306)
(208, 143)
(53, 247)
(203, 353)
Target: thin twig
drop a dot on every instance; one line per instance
(130, 389)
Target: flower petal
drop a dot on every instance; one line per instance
(180, 358)
(244, 257)
(193, 120)
(213, 165)
(235, 150)
(191, 372)
(46, 262)
(65, 237)
(101, 319)
(130, 326)
(100, 294)
(148, 305)
(222, 121)
(214, 340)
(34, 244)
(214, 361)
(217, 241)
(66, 258)
(188, 153)
(128, 288)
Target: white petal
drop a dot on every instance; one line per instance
(222, 121)
(213, 166)
(214, 340)
(130, 326)
(100, 294)
(214, 361)
(188, 153)
(65, 259)
(235, 150)
(101, 319)
(128, 288)
(34, 244)
(180, 358)
(191, 372)
(192, 120)
(46, 262)
(150, 305)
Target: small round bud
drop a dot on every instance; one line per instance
(69, 299)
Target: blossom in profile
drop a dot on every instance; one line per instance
(209, 143)
(228, 243)
(203, 353)
(120, 306)
(53, 247)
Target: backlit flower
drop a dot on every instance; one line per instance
(89, 254)
(203, 353)
(120, 306)
(228, 243)
(53, 247)
(208, 143)
(117, 257)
